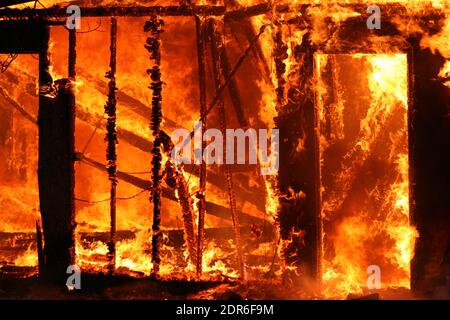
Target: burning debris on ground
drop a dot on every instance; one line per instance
(362, 184)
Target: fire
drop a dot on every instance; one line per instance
(362, 107)
(19, 197)
(359, 231)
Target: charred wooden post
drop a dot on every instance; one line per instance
(429, 156)
(117, 11)
(217, 49)
(111, 139)
(299, 213)
(55, 169)
(201, 204)
(153, 45)
(71, 100)
(176, 180)
(72, 54)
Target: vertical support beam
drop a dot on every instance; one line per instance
(111, 138)
(201, 204)
(56, 169)
(72, 54)
(312, 215)
(411, 144)
(299, 174)
(316, 201)
(71, 88)
(153, 45)
(429, 132)
(217, 51)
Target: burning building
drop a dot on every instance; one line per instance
(88, 105)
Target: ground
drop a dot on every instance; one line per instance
(95, 287)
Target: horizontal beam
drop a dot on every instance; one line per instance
(117, 11)
(6, 3)
(182, 10)
(300, 9)
(21, 36)
(393, 8)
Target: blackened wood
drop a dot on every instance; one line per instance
(21, 36)
(154, 26)
(175, 178)
(390, 9)
(56, 170)
(69, 100)
(201, 201)
(279, 56)
(72, 54)
(299, 170)
(118, 11)
(6, 3)
(429, 172)
(111, 139)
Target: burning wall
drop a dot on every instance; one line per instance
(331, 137)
